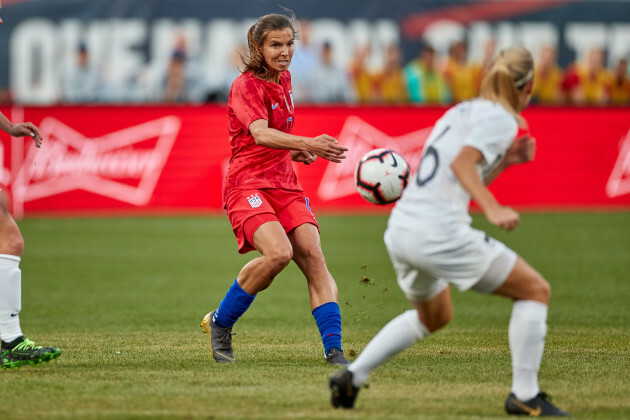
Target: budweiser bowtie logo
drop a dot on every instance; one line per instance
(124, 165)
(619, 181)
(360, 137)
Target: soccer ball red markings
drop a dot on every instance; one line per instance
(381, 176)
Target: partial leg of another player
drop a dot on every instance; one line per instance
(526, 335)
(16, 350)
(526, 332)
(399, 334)
(322, 290)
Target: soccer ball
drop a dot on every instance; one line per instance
(381, 176)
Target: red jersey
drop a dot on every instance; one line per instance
(253, 166)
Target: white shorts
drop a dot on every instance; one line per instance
(425, 263)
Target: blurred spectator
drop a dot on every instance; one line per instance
(588, 82)
(305, 60)
(180, 77)
(182, 81)
(461, 76)
(620, 85)
(571, 86)
(175, 79)
(425, 84)
(389, 84)
(222, 93)
(5, 96)
(360, 75)
(328, 82)
(548, 78)
(489, 49)
(81, 82)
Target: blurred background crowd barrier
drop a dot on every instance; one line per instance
(130, 95)
(171, 159)
(350, 51)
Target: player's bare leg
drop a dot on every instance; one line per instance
(322, 290)
(276, 253)
(11, 241)
(399, 334)
(15, 350)
(310, 259)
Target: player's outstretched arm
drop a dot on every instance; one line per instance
(21, 129)
(323, 145)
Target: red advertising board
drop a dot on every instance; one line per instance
(170, 159)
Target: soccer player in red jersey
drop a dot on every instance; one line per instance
(265, 203)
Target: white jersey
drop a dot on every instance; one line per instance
(434, 200)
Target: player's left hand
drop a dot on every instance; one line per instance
(522, 150)
(27, 129)
(303, 156)
(503, 217)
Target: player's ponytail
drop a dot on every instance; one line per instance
(254, 62)
(256, 35)
(510, 72)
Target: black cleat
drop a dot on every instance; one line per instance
(22, 351)
(335, 357)
(343, 392)
(538, 406)
(220, 339)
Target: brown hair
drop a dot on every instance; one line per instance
(510, 72)
(256, 36)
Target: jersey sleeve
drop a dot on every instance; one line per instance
(493, 133)
(248, 101)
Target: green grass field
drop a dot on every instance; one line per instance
(124, 298)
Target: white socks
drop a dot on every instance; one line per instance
(10, 297)
(399, 334)
(526, 333)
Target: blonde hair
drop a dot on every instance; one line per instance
(256, 36)
(510, 72)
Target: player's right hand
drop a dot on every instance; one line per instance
(503, 217)
(26, 129)
(522, 150)
(328, 148)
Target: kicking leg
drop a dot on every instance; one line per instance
(399, 334)
(322, 289)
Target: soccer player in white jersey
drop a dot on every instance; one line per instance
(432, 245)
(16, 350)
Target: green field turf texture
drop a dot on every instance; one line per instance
(124, 298)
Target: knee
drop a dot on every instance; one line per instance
(12, 243)
(541, 291)
(18, 246)
(280, 257)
